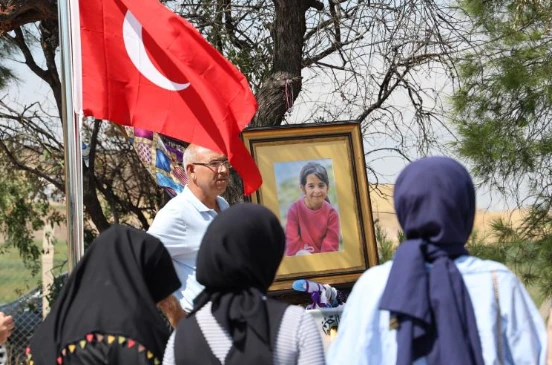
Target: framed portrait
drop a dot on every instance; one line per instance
(314, 180)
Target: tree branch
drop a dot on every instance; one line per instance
(19, 41)
(318, 5)
(384, 92)
(335, 12)
(326, 23)
(231, 28)
(49, 42)
(90, 195)
(23, 167)
(328, 51)
(14, 14)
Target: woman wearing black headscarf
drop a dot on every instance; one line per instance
(233, 322)
(106, 313)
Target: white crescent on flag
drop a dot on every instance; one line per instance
(132, 36)
(131, 83)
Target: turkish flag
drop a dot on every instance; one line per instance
(146, 67)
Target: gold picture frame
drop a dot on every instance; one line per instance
(281, 153)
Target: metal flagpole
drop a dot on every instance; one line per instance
(72, 143)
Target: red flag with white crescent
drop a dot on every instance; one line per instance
(146, 67)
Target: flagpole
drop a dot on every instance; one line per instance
(71, 138)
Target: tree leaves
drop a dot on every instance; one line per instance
(23, 211)
(503, 113)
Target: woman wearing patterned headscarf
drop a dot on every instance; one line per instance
(106, 313)
(435, 304)
(233, 322)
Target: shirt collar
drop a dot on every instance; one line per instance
(195, 201)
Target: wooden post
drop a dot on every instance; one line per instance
(47, 266)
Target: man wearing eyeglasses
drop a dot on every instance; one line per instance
(182, 222)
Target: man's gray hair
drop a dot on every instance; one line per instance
(190, 155)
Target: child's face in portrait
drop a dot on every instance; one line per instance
(315, 191)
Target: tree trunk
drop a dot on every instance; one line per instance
(93, 206)
(49, 34)
(90, 193)
(14, 14)
(281, 88)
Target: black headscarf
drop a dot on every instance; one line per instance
(237, 261)
(112, 290)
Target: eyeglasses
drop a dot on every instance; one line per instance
(217, 164)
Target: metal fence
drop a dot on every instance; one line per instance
(27, 314)
(21, 292)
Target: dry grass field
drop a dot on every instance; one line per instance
(382, 207)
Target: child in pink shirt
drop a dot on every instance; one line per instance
(312, 223)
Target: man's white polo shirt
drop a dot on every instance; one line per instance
(180, 225)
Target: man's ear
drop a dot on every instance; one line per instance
(190, 168)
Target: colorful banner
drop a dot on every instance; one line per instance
(161, 156)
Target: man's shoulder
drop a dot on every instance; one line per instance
(178, 203)
(178, 209)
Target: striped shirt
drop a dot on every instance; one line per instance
(298, 341)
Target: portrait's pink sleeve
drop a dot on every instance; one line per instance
(331, 241)
(293, 240)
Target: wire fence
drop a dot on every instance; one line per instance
(27, 314)
(21, 294)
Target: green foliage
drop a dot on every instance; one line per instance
(479, 246)
(386, 247)
(24, 209)
(529, 248)
(502, 112)
(503, 106)
(56, 286)
(400, 236)
(6, 74)
(508, 16)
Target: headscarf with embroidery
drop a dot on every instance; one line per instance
(112, 290)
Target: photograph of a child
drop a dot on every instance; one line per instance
(308, 206)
